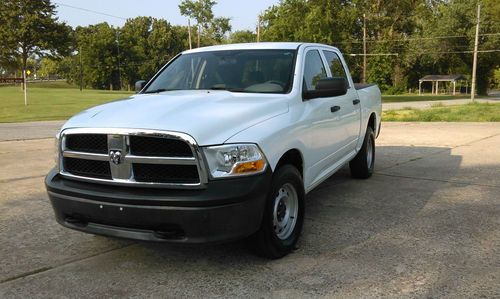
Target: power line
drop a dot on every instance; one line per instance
(416, 38)
(462, 52)
(91, 11)
(423, 53)
(374, 54)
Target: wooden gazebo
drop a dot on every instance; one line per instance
(435, 79)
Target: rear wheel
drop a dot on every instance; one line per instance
(283, 214)
(362, 165)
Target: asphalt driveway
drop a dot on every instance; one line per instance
(427, 224)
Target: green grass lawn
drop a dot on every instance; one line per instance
(50, 101)
(414, 98)
(461, 113)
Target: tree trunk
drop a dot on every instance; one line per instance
(397, 77)
(25, 63)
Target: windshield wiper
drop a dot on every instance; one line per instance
(158, 90)
(226, 88)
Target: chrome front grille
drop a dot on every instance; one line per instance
(91, 143)
(90, 168)
(132, 157)
(159, 173)
(159, 147)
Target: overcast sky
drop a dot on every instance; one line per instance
(243, 13)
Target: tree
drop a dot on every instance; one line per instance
(320, 21)
(134, 36)
(410, 28)
(30, 28)
(284, 22)
(389, 22)
(218, 29)
(242, 36)
(48, 68)
(201, 11)
(458, 17)
(145, 43)
(99, 53)
(496, 78)
(164, 43)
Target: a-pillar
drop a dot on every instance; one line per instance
(454, 87)
(437, 87)
(419, 87)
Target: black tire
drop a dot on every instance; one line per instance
(361, 168)
(266, 241)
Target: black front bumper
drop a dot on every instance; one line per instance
(225, 210)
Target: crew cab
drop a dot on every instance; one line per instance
(223, 143)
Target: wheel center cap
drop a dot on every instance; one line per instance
(281, 210)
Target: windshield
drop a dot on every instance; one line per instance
(257, 71)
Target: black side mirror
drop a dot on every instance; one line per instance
(328, 87)
(139, 85)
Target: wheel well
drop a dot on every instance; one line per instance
(372, 122)
(292, 157)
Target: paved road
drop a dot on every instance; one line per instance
(427, 224)
(29, 130)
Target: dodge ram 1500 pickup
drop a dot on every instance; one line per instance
(223, 143)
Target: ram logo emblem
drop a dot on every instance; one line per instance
(115, 157)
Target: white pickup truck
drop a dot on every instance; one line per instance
(223, 143)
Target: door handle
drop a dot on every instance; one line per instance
(334, 109)
(355, 102)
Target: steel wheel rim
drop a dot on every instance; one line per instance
(285, 211)
(369, 152)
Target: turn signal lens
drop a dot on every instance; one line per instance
(246, 167)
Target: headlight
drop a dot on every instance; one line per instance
(234, 160)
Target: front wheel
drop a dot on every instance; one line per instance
(362, 165)
(283, 214)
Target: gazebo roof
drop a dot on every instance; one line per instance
(443, 78)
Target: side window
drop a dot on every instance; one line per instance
(335, 64)
(314, 70)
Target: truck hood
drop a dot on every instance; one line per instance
(210, 117)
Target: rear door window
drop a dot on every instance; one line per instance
(335, 64)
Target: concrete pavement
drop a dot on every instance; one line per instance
(425, 225)
(29, 130)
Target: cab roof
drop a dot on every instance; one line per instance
(253, 46)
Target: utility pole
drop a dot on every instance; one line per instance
(199, 34)
(119, 71)
(474, 62)
(81, 69)
(189, 34)
(258, 29)
(363, 80)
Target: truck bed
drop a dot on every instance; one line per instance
(359, 86)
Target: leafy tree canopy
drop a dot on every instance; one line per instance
(30, 28)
